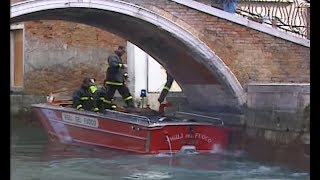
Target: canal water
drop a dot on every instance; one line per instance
(33, 158)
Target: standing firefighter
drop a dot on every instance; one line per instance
(166, 88)
(83, 97)
(116, 77)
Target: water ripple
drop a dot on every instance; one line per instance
(149, 175)
(33, 158)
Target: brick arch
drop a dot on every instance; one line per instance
(201, 74)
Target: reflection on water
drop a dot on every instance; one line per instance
(33, 158)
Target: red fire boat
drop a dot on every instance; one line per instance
(147, 134)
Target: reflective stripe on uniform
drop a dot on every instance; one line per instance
(128, 98)
(114, 83)
(113, 106)
(84, 98)
(120, 65)
(104, 100)
(166, 88)
(93, 88)
(96, 109)
(79, 106)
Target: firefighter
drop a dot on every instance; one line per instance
(166, 88)
(83, 97)
(100, 101)
(116, 77)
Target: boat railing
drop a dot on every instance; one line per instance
(199, 117)
(128, 117)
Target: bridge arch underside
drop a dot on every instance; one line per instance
(204, 84)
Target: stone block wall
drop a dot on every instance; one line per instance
(278, 106)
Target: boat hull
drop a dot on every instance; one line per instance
(129, 132)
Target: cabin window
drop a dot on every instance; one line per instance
(16, 57)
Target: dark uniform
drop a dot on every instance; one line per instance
(115, 80)
(83, 97)
(166, 88)
(100, 101)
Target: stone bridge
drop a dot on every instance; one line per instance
(212, 54)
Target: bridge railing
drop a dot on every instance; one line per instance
(292, 16)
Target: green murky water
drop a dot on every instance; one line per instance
(32, 158)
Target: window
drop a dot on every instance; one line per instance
(16, 57)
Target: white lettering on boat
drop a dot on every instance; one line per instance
(191, 136)
(188, 136)
(203, 137)
(79, 119)
(176, 137)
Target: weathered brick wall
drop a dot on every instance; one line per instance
(251, 55)
(59, 54)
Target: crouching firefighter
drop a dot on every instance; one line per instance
(116, 78)
(100, 101)
(82, 98)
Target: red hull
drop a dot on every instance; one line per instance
(129, 132)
